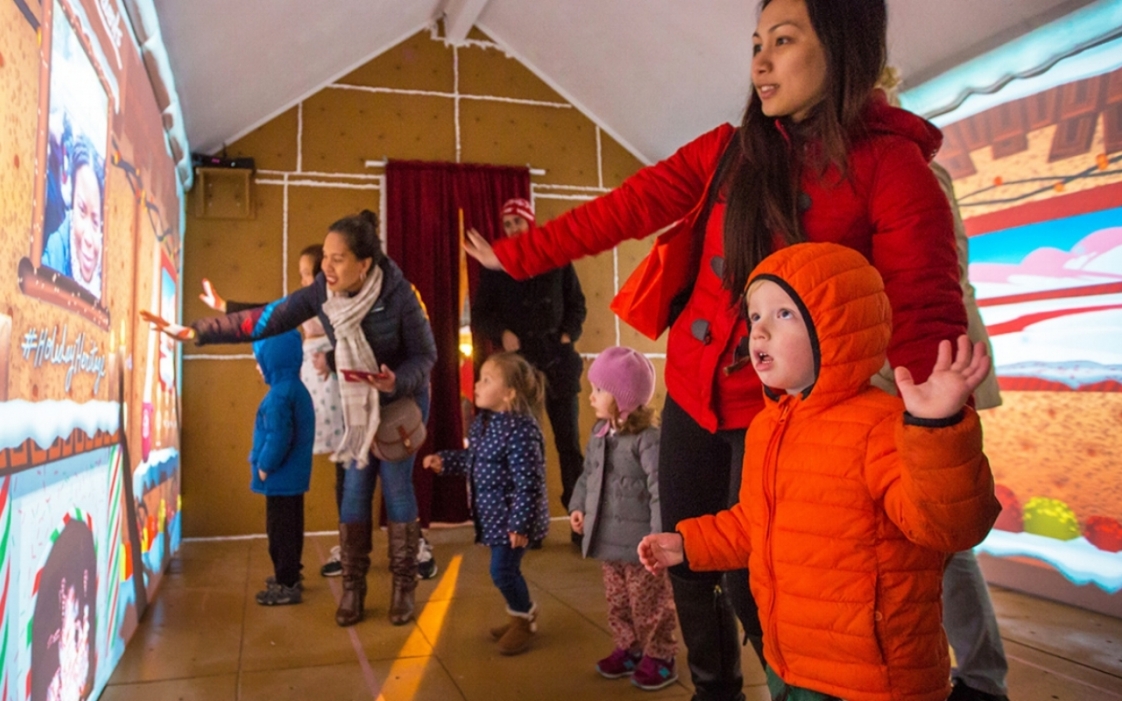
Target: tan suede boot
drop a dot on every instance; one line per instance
(499, 631)
(519, 631)
(355, 544)
(403, 541)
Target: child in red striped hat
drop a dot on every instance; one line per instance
(518, 216)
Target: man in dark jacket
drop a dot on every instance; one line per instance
(540, 318)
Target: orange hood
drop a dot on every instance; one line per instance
(841, 296)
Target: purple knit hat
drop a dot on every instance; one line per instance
(625, 374)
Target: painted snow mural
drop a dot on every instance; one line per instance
(89, 233)
(1038, 173)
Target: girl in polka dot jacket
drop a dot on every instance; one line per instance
(505, 462)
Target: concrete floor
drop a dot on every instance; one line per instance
(204, 637)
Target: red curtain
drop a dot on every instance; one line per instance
(423, 201)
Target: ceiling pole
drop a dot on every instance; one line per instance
(459, 17)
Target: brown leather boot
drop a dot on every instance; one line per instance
(499, 631)
(403, 538)
(521, 629)
(354, 541)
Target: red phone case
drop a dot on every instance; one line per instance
(362, 375)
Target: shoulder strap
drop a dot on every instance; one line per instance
(702, 222)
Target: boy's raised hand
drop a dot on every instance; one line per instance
(951, 382)
(434, 463)
(661, 550)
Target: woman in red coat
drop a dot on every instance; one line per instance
(819, 156)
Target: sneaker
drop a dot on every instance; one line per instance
(334, 565)
(271, 580)
(279, 595)
(962, 692)
(621, 663)
(653, 674)
(426, 563)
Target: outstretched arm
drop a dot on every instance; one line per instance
(648, 201)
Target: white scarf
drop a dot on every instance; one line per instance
(361, 412)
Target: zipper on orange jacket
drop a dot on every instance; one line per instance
(770, 468)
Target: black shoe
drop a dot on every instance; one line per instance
(962, 692)
(576, 538)
(334, 565)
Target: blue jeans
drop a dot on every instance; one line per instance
(506, 573)
(356, 503)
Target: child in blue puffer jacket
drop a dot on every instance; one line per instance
(281, 461)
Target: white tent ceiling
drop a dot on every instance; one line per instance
(652, 73)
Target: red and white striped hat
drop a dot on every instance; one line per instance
(518, 207)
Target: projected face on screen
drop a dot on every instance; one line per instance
(63, 660)
(74, 216)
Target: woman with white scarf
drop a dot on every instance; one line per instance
(378, 327)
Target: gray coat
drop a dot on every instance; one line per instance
(618, 494)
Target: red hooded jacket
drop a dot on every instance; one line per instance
(890, 208)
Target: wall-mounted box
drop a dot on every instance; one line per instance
(224, 193)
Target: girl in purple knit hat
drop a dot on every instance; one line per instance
(614, 505)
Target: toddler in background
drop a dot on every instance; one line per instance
(281, 462)
(505, 465)
(614, 505)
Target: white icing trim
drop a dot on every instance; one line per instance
(323, 174)
(300, 137)
(456, 99)
(206, 356)
(284, 233)
(580, 188)
(449, 95)
(318, 183)
(599, 158)
(549, 196)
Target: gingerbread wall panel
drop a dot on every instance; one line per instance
(312, 209)
(272, 145)
(241, 257)
(418, 63)
(561, 141)
(491, 72)
(345, 128)
(217, 438)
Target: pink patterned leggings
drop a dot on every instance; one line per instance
(641, 611)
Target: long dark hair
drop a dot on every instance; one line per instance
(762, 185)
(361, 234)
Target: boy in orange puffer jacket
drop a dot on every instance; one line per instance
(851, 499)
